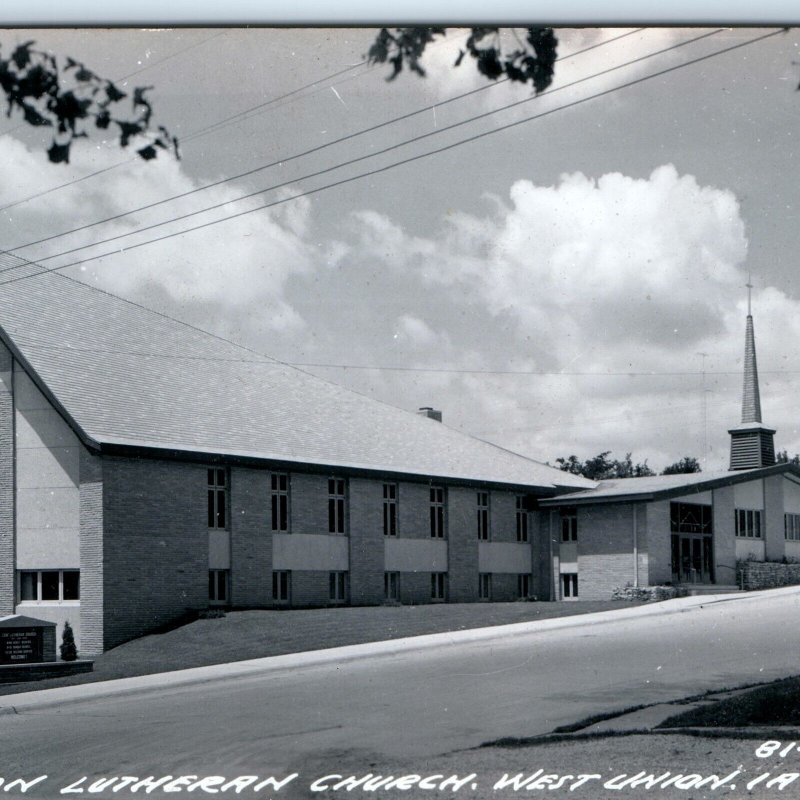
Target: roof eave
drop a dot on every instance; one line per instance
(675, 491)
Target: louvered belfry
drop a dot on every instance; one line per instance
(752, 444)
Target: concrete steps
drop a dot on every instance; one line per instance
(710, 588)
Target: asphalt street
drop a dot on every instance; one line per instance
(406, 705)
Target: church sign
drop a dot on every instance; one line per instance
(24, 640)
(21, 646)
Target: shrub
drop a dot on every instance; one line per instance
(68, 650)
(645, 594)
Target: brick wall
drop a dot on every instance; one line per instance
(462, 545)
(415, 588)
(503, 514)
(414, 511)
(605, 554)
(92, 638)
(155, 544)
(366, 542)
(310, 589)
(251, 538)
(7, 554)
(504, 587)
(308, 503)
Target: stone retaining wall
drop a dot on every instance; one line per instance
(767, 574)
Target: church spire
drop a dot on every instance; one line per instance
(752, 443)
(751, 398)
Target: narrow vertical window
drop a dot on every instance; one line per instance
(437, 512)
(523, 586)
(569, 585)
(218, 585)
(438, 585)
(485, 586)
(483, 516)
(522, 519)
(336, 505)
(390, 509)
(279, 495)
(217, 498)
(569, 524)
(281, 586)
(391, 585)
(337, 587)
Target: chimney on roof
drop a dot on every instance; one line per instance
(430, 413)
(751, 441)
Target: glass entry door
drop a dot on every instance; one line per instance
(692, 543)
(692, 558)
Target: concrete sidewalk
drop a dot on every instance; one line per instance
(29, 701)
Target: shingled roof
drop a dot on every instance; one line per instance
(128, 377)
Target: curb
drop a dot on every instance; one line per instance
(121, 687)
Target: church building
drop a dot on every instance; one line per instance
(681, 529)
(150, 471)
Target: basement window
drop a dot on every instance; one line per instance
(49, 586)
(391, 585)
(218, 585)
(438, 585)
(281, 586)
(337, 587)
(569, 585)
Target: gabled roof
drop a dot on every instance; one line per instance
(661, 487)
(126, 377)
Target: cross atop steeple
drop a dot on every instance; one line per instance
(749, 292)
(751, 442)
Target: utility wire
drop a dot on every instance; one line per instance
(355, 160)
(32, 342)
(302, 154)
(386, 168)
(212, 128)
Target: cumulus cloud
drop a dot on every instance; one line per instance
(627, 278)
(235, 273)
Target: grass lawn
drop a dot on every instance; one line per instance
(242, 635)
(776, 703)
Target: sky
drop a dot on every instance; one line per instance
(568, 281)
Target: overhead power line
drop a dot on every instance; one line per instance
(386, 168)
(269, 361)
(350, 162)
(288, 159)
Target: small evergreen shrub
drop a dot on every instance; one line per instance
(68, 650)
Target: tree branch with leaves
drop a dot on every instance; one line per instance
(531, 61)
(71, 99)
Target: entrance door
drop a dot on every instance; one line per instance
(692, 543)
(692, 558)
